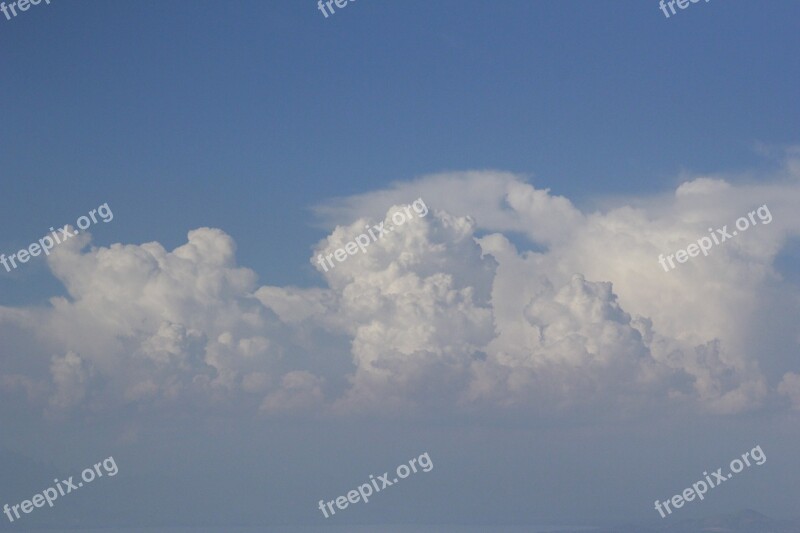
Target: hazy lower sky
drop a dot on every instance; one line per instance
(518, 327)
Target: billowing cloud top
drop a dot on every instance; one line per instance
(449, 311)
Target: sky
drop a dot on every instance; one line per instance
(517, 327)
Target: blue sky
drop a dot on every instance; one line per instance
(240, 116)
(509, 319)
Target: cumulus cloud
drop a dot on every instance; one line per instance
(443, 312)
(142, 324)
(497, 201)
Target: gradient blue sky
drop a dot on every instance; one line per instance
(240, 115)
(245, 115)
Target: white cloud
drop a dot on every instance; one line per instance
(702, 186)
(147, 325)
(444, 312)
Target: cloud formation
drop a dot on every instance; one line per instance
(450, 311)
